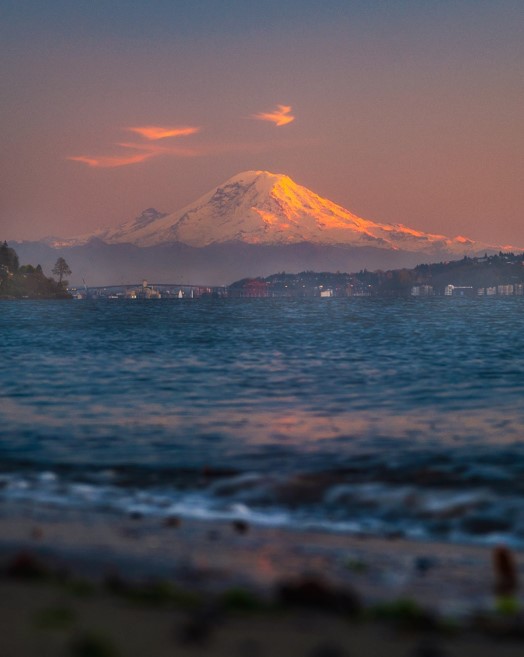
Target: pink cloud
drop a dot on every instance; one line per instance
(146, 151)
(111, 162)
(154, 132)
(148, 148)
(281, 116)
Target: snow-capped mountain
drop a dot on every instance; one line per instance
(262, 208)
(119, 235)
(254, 224)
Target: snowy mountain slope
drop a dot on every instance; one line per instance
(263, 208)
(121, 234)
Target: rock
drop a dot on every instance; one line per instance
(198, 628)
(318, 594)
(505, 570)
(428, 649)
(26, 566)
(484, 524)
(116, 584)
(213, 535)
(93, 645)
(240, 526)
(37, 533)
(172, 521)
(424, 564)
(327, 650)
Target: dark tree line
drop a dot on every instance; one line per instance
(485, 271)
(27, 281)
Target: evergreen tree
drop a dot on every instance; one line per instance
(61, 269)
(8, 258)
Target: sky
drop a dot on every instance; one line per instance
(407, 111)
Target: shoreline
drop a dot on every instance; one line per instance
(451, 579)
(142, 586)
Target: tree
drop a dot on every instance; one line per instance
(8, 258)
(61, 269)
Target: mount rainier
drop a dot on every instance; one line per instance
(253, 224)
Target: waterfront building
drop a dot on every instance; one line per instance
(422, 291)
(459, 291)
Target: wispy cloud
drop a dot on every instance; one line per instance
(154, 132)
(154, 142)
(281, 116)
(156, 149)
(146, 150)
(111, 162)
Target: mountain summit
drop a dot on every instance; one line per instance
(263, 208)
(254, 224)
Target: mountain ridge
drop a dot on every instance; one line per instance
(254, 224)
(264, 208)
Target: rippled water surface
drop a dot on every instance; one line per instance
(355, 414)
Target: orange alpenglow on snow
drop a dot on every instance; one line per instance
(281, 116)
(259, 207)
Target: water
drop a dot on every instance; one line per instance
(367, 415)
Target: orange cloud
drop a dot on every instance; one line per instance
(281, 116)
(155, 149)
(154, 132)
(146, 150)
(149, 148)
(110, 162)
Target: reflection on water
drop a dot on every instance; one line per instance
(161, 380)
(264, 385)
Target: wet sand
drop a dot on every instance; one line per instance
(216, 591)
